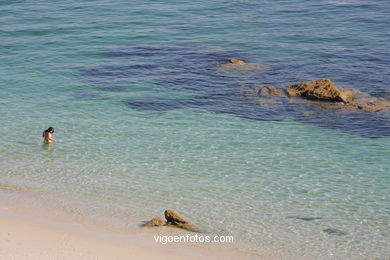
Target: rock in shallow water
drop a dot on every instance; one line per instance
(372, 104)
(322, 89)
(325, 90)
(271, 91)
(305, 218)
(264, 96)
(234, 66)
(238, 62)
(174, 219)
(333, 231)
(155, 222)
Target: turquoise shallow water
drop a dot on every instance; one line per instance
(147, 122)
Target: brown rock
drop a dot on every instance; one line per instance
(235, 61)
(322, 89)
(173, 217)
(325, 90)
(155, 222)
(173, 220)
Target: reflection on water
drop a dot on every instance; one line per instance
(50, 149)
(47, 146)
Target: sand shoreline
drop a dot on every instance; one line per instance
(28, 236)
(24, 237)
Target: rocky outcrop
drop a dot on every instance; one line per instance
(173, 219)
(322, 89)
(325, 90)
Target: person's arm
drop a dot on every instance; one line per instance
(49, 137)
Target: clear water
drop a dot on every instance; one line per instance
(146, 121)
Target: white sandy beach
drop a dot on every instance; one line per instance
(27, 237)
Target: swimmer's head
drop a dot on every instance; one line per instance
(50, 130)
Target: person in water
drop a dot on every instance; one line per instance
(47, 135)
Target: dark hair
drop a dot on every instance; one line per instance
(49, 130)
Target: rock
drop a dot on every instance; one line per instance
(175, 220)
(235, 61)
(333, 231)
(173, 217)
(322, 89)
(325, 90)
(155, 222)
(271, 91)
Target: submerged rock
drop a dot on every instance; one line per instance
(333, 231)
(235, 66)
(271, 91)
(235, 61)
(305, 218)
(268, 95)
(185, 226)
(352, 94)
(372, 104)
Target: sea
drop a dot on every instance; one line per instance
(146, 120)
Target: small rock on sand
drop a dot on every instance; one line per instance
(155, 222)
(173, 218)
